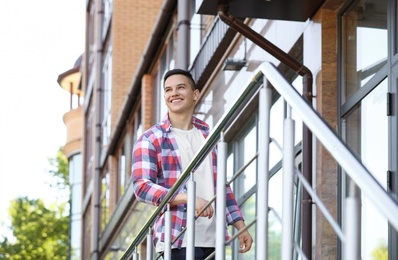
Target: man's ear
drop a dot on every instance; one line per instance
(196, 94)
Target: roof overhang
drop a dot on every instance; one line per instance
(70, 81)
(291, 10)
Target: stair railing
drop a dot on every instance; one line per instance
(358, 173)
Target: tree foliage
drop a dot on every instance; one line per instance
(40, 231)
(380, 252)
(60, 170)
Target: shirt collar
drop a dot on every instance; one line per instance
(201, 125)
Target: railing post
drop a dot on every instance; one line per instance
(167, 235)
(287, 196)
(221, 197)
(135, 254)
(149, 250)
(263, 167)
(352, 246)
(191, 186)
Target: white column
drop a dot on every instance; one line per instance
(221, 198)
(167, 235)
(287, 196)
(149, 251)
(263, 176)
(191, 186)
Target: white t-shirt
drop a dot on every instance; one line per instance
(189, 142)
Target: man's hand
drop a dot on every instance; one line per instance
(245, 242)
(200, 204)
(245, 239)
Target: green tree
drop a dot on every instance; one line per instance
(380, 252)
(60, 170)
(40, 231)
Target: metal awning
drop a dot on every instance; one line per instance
(291, 10)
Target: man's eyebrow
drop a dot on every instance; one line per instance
(179, 84)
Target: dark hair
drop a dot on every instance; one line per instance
(180, 72)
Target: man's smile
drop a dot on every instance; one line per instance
(176, 100)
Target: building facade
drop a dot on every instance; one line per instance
(70, 80)
(350, 50)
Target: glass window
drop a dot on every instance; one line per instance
(366, 132)
(195, 33)
(107, 7)
(122, 170)
(105, 192)
(137, 126)
(242, 151)
(87, 223)
(275, 215)
(166, 63)
(88, 147)
(107, 98)
(365, 43)
(246, 151)
(129, 230)
(75, 181)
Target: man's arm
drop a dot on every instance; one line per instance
(145, 172)
(234, 216)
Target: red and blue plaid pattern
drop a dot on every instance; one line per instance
(157, 166)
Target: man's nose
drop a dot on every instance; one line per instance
(175, 92)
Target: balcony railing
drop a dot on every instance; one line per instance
(211, 49)
(357, 172)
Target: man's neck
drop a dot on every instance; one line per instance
(181, 121)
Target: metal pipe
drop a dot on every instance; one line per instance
(302, 70)
(265, 100)
(71, 95)
(149, 250)
(353, 220)
(183, 39)
(167, 233)
(191, 190)
(135, 254)
(98, 142)
(297, 220)
(221, 198)
(352, 231)
(287, 195)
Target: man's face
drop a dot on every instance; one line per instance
(179, 94)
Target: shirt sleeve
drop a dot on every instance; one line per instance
(233, 213)
(145, 172)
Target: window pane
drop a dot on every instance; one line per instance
(364, 28)
(246, 151)
(366, 132)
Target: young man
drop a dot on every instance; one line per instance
(160, 156)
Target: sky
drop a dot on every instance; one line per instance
(39, 40)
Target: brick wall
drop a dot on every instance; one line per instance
(132, 24)
(147, 101)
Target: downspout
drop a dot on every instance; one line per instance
(183, 37)
(307, 95)
(97, 156)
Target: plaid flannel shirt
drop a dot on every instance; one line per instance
(157, 166)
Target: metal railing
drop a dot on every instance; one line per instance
(210, 142)
(353, 167)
